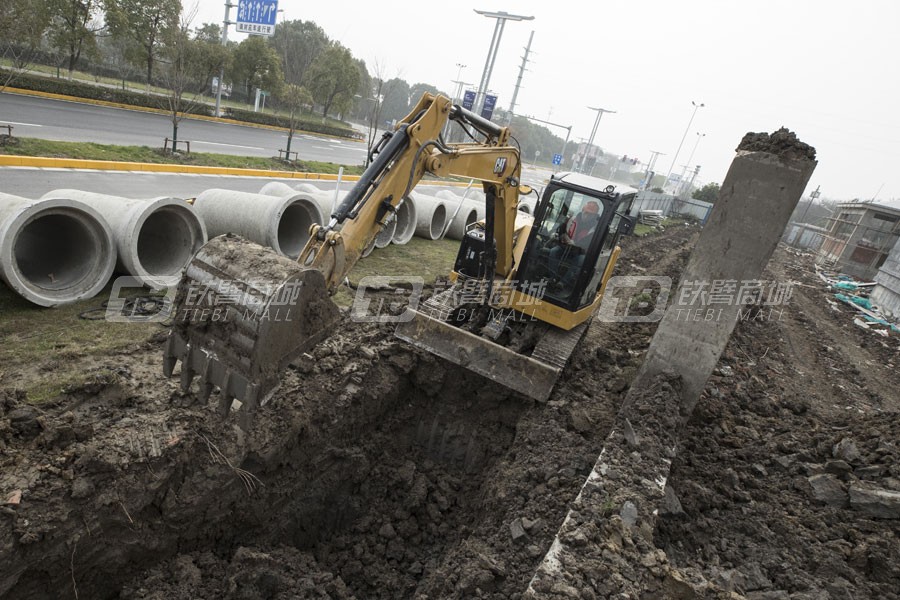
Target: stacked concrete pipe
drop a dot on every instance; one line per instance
(462, 214)
(55, 250)
(281, 223)
(406, 221)
(155, 238)
(326, 201)
(431, 215)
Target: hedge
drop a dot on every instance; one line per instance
(267, 119)
(80, 89)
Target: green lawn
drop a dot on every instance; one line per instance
(145, 154)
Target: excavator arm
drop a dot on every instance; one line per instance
(243, 313)
(401, 160)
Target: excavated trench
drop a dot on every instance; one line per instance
(377, 471)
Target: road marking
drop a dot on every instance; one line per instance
(23, 124)
(229, 145)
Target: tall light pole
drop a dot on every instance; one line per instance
(227, 22)
(458, 79)
(590, 144)
(690, 158)
(653, 156)
(502, 17)
(688, 128)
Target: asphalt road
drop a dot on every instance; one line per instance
(73, 122)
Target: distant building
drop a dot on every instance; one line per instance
(805, 236)
(886, 294)
(858, 239)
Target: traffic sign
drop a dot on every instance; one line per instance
(487, 110)
(257, 16)
(557, 159)
(469, 100)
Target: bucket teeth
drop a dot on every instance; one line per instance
(170, 358)
(225, 396)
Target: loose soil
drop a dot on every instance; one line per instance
(378, 471)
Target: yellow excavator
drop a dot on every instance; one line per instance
(523, 289)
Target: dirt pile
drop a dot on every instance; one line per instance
(787, 475)
(380, 472)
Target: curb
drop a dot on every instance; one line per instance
(158, 111)
(8, 160)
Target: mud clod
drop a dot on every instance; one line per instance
(782, 143)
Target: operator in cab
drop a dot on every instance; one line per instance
(574, 237)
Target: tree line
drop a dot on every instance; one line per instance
(156, 42)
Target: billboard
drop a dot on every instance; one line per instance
(256, 17)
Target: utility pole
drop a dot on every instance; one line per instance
(512, 105)
(812, 198)
(226, 23)
(653, 156)
(502, 17)
(690, 158)
(568, 129)
(590, 143)
(693, 177)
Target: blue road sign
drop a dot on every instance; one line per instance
(256, 16)
(557, 159)
(468, 100)
(487, 110)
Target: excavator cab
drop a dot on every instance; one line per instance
(575, 232)
(524, 336)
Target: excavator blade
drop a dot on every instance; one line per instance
(243, 313)
(523, 374)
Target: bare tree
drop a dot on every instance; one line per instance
(380, 89)
(292, 98)
(181, 70)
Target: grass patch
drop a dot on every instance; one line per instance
(419, 258)
(52, 340)
(50, 346)
(146, 154)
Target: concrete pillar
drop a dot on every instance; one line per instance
(607, 536)
(281, 223)
(155, 238)
(55, 250)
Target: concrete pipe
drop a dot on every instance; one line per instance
(55, 250)
(406, 222)
(279, 188)
(431, 216)
(462, 213)
(384, 237)
(155, 238)
(281, 223)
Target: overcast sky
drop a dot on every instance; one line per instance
(826, 69)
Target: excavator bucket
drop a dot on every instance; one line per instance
(243, 313)
(533, 376)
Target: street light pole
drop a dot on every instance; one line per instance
(502, 17)
(590, 144)
(690, 158)
(688, 128)
(653, 156)
(227, 22)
